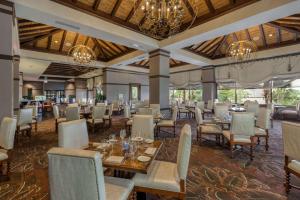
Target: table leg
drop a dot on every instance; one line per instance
(141, 196)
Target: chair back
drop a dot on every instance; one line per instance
(291, 139)
(201, 105)
(155, 108)
(174, 114)
(110, 109)
(72, 113)
(100, 104)
(25, 116)
(7, 132)
(75, 174)
(145, 111)
(263, 119)
(221, 111)
(73, 134)
(198, 116)
(127, 112)
(34, 110)
(243, 124)
(210, 104)
(142, 126)
(184, 151)
(73, 105)
(253, 107)
(98, 112)
(55, 111)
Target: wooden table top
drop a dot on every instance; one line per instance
(128, 164)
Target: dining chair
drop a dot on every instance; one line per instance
(73, 105)
(24, 122)
(168, 123)
(291, 149)
(209, 107)
(34, 115)
(143, 126)
(7, 136)
(206, 127)
(263, 126)
(155, 108)
(100, 104)
(221, 111)
(182, 109)
(167, 178)
(241, 133)
(57, 117)
(145, 111)
(76, 174)
(253, 107)
(108, 117)
(97, 117)
(72, 113)
(128, 119)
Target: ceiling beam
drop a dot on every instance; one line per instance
(75, 39)
(263, 35)
(275, 25)
(210, 6)
(96, 4)
(220, 45)
(132, 11)
(86, 40)
(235, 37)
(189, 7)
(248, 35)
(42, 36)
(116, 7)
(49, 42)
(278, 35)
(62, 42)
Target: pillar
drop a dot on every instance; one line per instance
(16, 84)
(209, 84)
(6, 59)
(159, 76)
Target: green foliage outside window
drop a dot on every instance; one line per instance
(286, 96)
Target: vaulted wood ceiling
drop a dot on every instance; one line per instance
(41, 37)
(145, 63)
(274, 34)
(121, 12)
(67, 70)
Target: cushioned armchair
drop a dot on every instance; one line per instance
(143, 126)
(57, 117)
(7, 136)
(206, 127)
(166, 178)
(34, 115)
(24, 123)
(171, 123)
(242, 132)
(209, 107)
(291, 148)
(108, 117)
(263, 126)
(128, 119)
(72, 113)
(78, 174)
(97, 117)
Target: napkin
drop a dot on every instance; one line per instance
(150, 151)
(115, 159)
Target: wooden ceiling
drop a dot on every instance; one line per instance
(67, 70)
(41, 37)
(274, 34)
(145, 63)
(121, 12)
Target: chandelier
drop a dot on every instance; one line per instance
(163, 18)
(82, 54)
(241, 51)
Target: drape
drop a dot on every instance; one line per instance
(90, 83)
(98, 81)
(185, 79)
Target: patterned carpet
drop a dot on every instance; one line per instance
(212, 174)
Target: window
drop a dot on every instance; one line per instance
(289, 95)
(182, 95)
(241, 95)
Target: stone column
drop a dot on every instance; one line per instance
(6, 59)
(209, 84)
(159, 76)
(16, 97)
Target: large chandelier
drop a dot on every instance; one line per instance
(82, 54)
(241, 51)
(163, 18)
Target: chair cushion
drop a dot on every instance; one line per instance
(24, 127)
(237, 138)
(165, 123)
(117, 188)
(61, 120)
(106, 117)
(3, 156)
(294, 165)
(183, 110)
(34, 121)
(161, 175)
(210, 128)
(260, 131)
(129, 122)
(96, 121)
(207, 110)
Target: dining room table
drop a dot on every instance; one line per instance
(126, 162)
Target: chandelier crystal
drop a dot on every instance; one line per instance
(163, 18)
(241, 51)
(82, 54)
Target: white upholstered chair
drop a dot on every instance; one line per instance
(97, 116)
(73, 105)
(168, 123)
(73, 134)
(291, 148)
(242, 132)
(263, 126)
(201, 105)
(206, 128)
(72, 113)
(155, 109)
(221, 111)
(145, 111)
(108, 117)
(101, 104)
(142, 126)
(209, 107)
(253, 107)
(184, 110)
(7, 136)
(34, 115)
(166, 178)
(24, 122)
(127, 116)
(76, 174)
(57, 117)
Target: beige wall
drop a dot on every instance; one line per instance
(36, 86)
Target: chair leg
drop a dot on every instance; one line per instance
(231, 150)
(36, 126)
(251, 152)
(267, 143)
(56, 126)
(174, 129)
(93, 129)
(287, 181)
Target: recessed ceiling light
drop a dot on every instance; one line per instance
(255, 38)
(55, 41)
(68, 44)
(270, 35)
